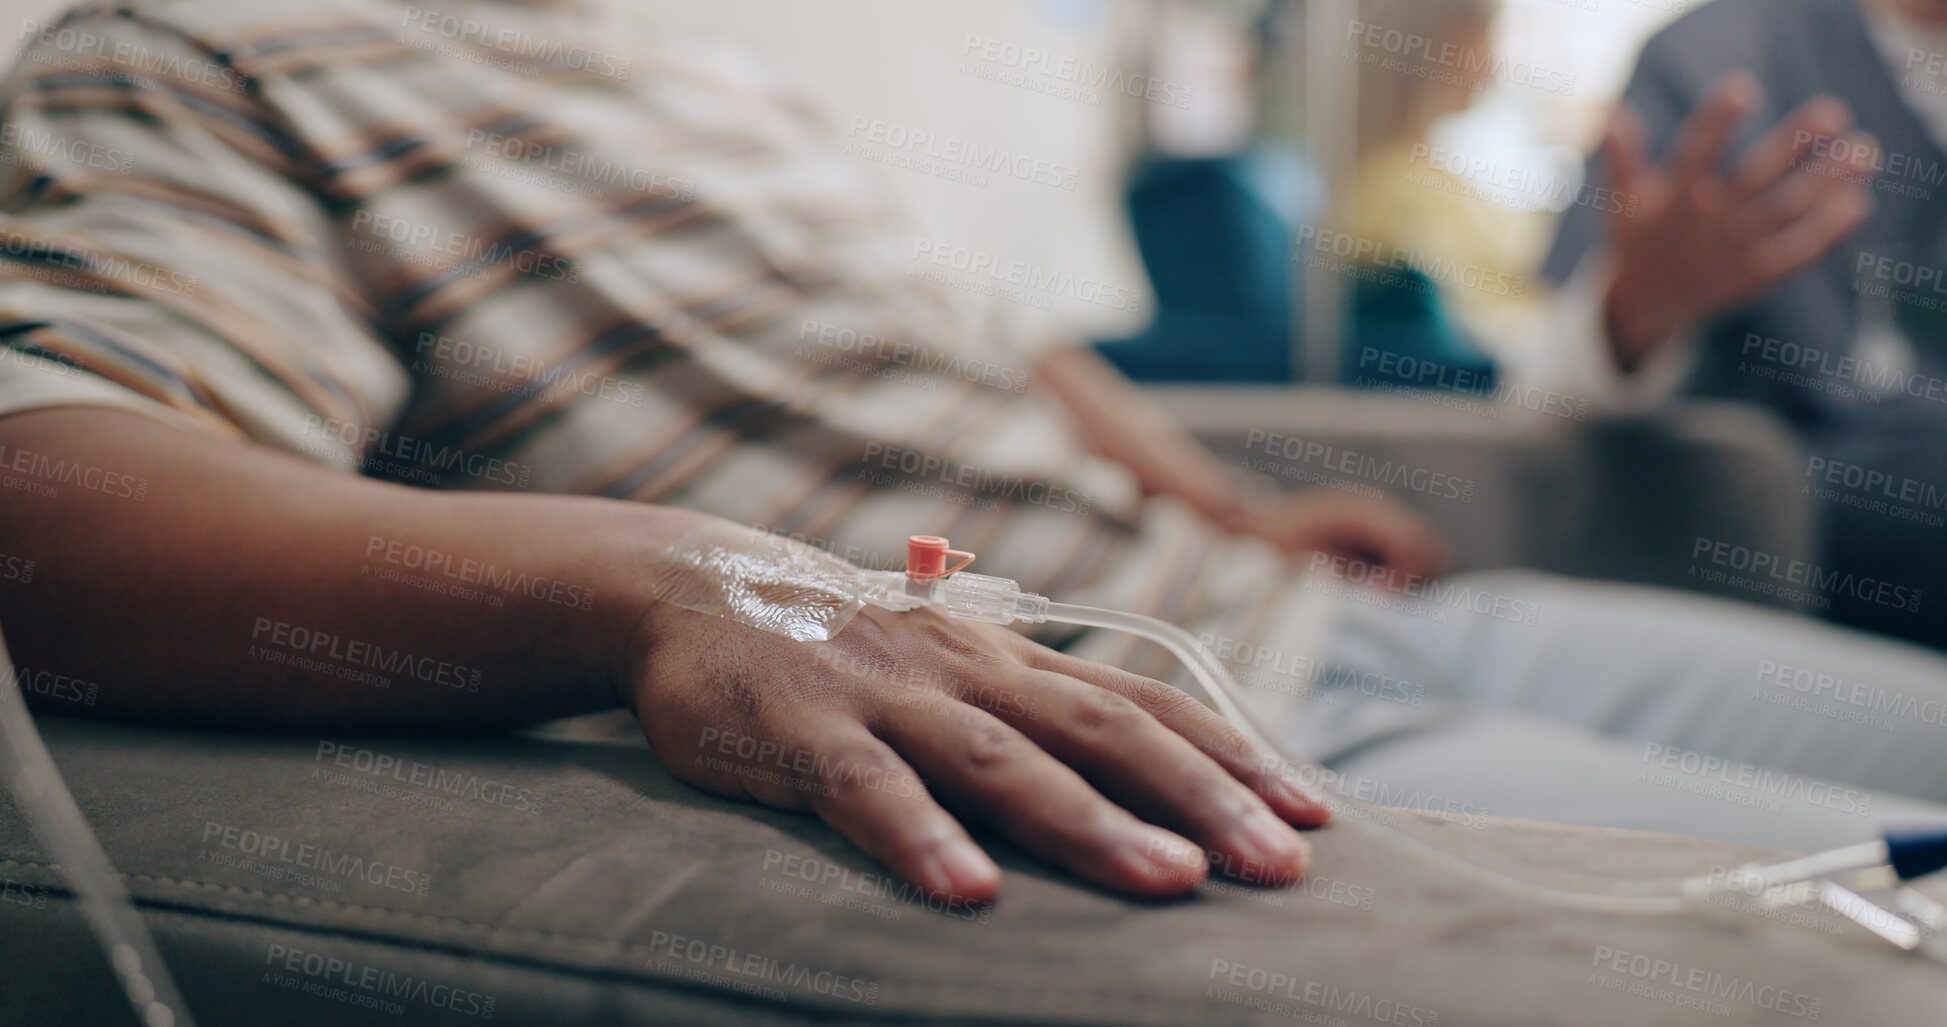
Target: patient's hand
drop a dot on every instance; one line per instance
(1004, 732)
(906, 716)
(1381, 532)
(1694, 241)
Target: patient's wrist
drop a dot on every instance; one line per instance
(587, 592)
(634, 621)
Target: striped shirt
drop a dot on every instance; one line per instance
(477, 245)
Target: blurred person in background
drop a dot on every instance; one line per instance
(1451, 264)
(1435, 264)
(1786, 246)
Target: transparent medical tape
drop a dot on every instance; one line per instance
(792, 589)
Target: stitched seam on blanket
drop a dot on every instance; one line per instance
(535, 933)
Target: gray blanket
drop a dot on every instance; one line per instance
(297, 880)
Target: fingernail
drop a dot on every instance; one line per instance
(1269, 840)
(967, 870)
(1290, 793)
(1155, 852)
(1290, 780)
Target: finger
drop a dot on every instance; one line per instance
(993, 773)
(1353, 546)
(1818, 121)
(1407, 544)
(1810, 237)
(1158, 775)
(1708, 132)
(1423, 551)
(1799, 196)
(861, 787)
(1378, 532)
(1626, 144)
(1263, 772)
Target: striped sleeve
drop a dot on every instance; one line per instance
(159, 251)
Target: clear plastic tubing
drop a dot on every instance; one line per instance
(794, 590)
(36, 782)
(1669, 895)
(1647, 896)
(1203, 666)
(980, 597)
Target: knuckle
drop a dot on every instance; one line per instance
(1205, 784)
(991, 745)
(1170, 703)
(1243, 758)
(1098, 710)
(1230, 747)
(847, 771)
(1154, 695)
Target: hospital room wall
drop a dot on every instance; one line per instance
(903, 64)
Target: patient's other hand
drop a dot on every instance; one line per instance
(1380, 532)
(1692, 241)
(905, 716)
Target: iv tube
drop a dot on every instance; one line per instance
(36, 782)
(1664, 896)
(787, 588)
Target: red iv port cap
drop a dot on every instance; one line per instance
(926, 558)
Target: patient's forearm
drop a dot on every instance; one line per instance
(220, 582)
(1119, 422)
